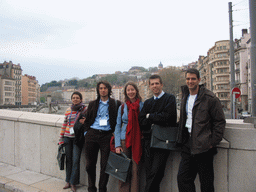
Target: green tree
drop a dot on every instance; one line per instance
(42, 99)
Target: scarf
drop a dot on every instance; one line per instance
(133, 133)
(77, 107)
(80, 108)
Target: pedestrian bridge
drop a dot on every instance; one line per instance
(29, 141)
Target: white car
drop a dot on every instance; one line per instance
(245, 114)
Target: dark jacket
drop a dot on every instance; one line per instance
(92, 113)
(208, 121)
(79, 132)
(162, 112)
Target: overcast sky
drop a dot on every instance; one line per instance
(60, 39)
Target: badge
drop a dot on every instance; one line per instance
(71, 130)
(103, 122)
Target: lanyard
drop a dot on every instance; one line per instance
(106, 115)
(71, 115)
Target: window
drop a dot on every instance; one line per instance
(8, 94)
(8, 88)
(8, 83)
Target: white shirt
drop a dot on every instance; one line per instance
(190, 104)
(159, 96)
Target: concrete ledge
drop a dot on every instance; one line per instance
(30, 117)
(40, 118)
(240, 135)
(10, 115)
(238, 123)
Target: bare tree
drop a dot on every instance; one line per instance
(173, 78)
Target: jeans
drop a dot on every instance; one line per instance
(73, 154)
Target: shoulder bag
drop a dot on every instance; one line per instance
(61, 156)
(119, 166)
(164, 137)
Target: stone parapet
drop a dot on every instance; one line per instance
(29, 141)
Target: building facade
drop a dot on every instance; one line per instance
(217, 73)
(242, 53)
(7, 90)
(8, 69)
(30, 90)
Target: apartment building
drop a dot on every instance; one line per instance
(8, 69)
(205, 71)
(7, 90)
(218, 61)
(242, 64)
(144, 90)
(30, 90)
(118, 93)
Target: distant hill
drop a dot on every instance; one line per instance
(118, 79)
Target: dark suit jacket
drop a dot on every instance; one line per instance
(92, 113)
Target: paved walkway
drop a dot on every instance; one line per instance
(18, 180)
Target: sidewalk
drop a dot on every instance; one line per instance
(18, 180)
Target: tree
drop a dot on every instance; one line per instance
(152, 69)
(173, 78)
(42, 99)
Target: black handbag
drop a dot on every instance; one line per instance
(61, 156)
(164, 137)
(119, 166)
(79, 133)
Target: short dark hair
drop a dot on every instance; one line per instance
(155, 77)
(107, 84)
(135, 87)
(77, 93)
(193, 71)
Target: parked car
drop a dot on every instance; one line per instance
(244, 115)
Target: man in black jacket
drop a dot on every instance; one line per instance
(99, 125)
(160, 110)
(201, 128)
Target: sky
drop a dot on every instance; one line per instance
(60, 39)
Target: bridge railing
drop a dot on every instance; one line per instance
(29, 141)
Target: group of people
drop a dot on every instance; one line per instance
(200, 129)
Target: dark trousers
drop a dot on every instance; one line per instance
(191, 165)
(155, 162)
(73, 154)
(96, 140)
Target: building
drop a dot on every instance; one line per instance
(118, 93)
(214, 71)
(241, 61)
(89, 95)
(8, 69)
(7, 90)
(160, 66)
(30, 90)
(144, 90)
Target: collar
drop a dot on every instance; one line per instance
(159, 96)
(104, 102)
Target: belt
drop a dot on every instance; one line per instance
(101, 131)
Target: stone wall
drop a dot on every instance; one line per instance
(29, 141)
